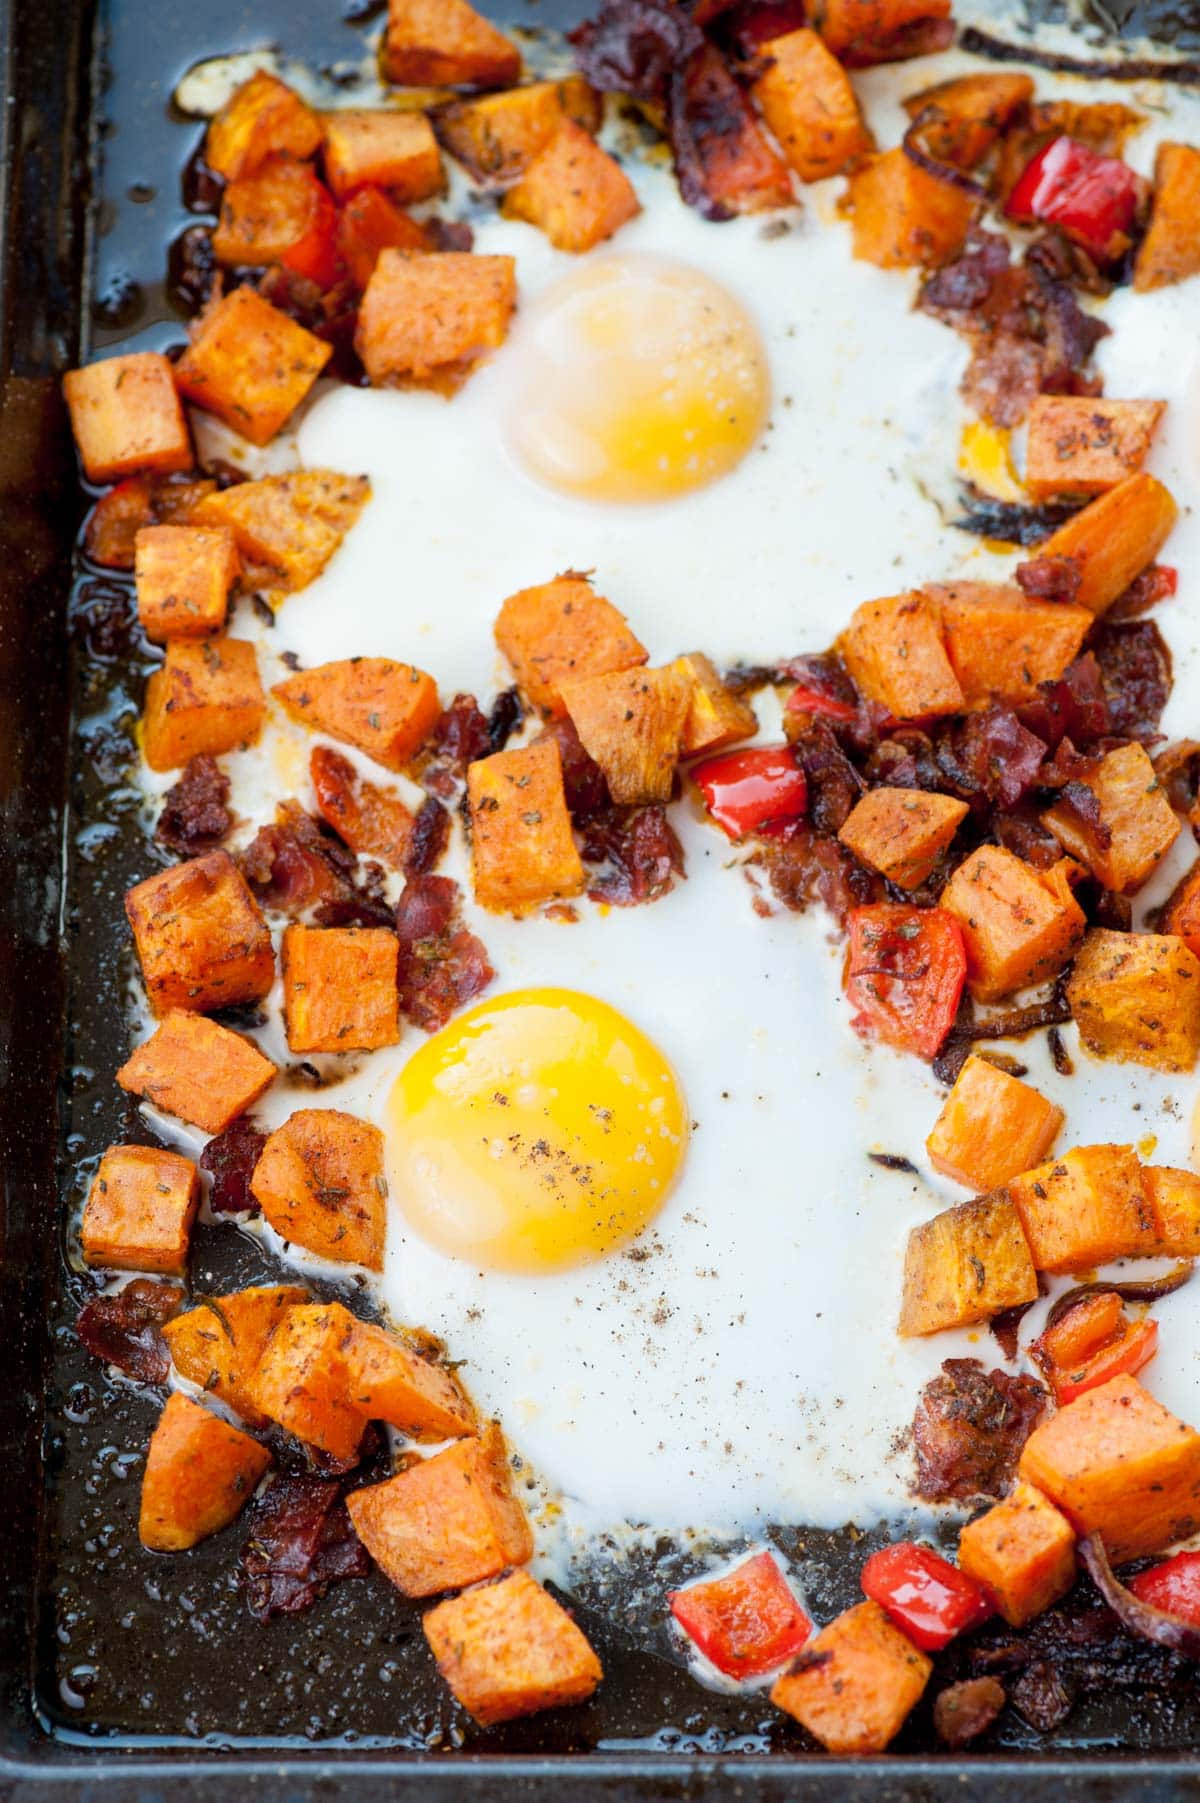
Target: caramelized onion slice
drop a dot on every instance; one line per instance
(1149, 1290)
(1137, 1617)
(913, 145)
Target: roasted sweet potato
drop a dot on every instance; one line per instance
(201, 939)
(1170, 251)
(383, 149)
(197, 1070)
(218, 1344)
(264, 118)
(446, 43)
(1123, 833)
(390, 1382)
(1181, 910)
(382, 707)
(509, 1650)
(962, 118)
(319, 1181)
(966, 1264)
(184, 575)
(894, 651)
(290, 525)
(805, 97)
(855, 1699)
(1002, 645)
(1085, 1208)
(991, 1128)
(1081, 445)
(573, 191)
(126, 416)
(206, 698)
(1020, 925)
(424, 316)
(497, 136)
(200, 1473)
(562, 629)
(902, 832)
(1114, 538)
(280, 214)
(1174, 1199)
(139, 1211)
(446, 1521)
(301, 1380)
(902, 216)
(716, 717)
(523, 849)
(250, 364)
(1136, 997)
(373, 822)
(339, 988)
(371, 222)
(856, 29)
(1022, 1551)
(631, 722)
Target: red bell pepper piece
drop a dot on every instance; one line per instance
(747, 1622)
(804, 700)
(762, 790)
(1093, 1341)
(1092, 197)
(926, 1596)
(904, 974)
(1134, 1346)
(1174, 1586)
(314, 252)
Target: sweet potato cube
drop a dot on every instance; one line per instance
(631, 722)
(1134, 826)
(1002, 645)
(302, 1383)
(806, 98)
(1181, 910)
(856, 29)
(1081, 445)
(1085, 1208)
(893, 649)
(139, 1211)
(964, 116)
(422, 315)
(447, 1521)
(1174, 1199)
(279, 213)
(382, 707)
(200, 1473)
(291, 524)
(1170, 251)
(206, 698)
(858, 1699)
(966, 1264)
(250, 364)
(264, 118)
(992, 1127)
(339, 988)
(716, 716)
(1136, 997)
(202, 942)
(497, 136)
(184, 575)
(573, 191)
(903, 217)
(446, 43)
(201, 1072)
(319, 1181)
(902, 832)
(369, 222)
(126, 416)
(509, 1649)
(1119, 1465)
(383, 149)
(1022, 1551)
(1020, 925)
(390, 1382)
(372, 820)
(1114, 537)
(218, 1345)
(521, 840)
(562, 629)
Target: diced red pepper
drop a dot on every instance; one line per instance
(804, 700)
(1093, 198)
(1093, 1341)
(926, 1596)
(370, 221)
(747, 1622)
(314, 253)
(904, 974)
(1174, 1586)
(1133, 1348)
(762, 790)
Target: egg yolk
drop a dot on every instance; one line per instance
(637, 379)
(538, 1131)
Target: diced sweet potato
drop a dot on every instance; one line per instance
(631, 722)
(1020, 925)
(1136, 997)
(319, 1181)
(339, 988)
(1181, 910)
(521, 840)
(139, 1211)
(562, 629)
(1081, 445)
(447, 1521)
(202, 942)
(992, 1127)
(573, 191)
(426, 315)
(250, 364)
(373, 822)
(393, 150)
(963, 117)
(264, 118)
(902, 832)
(126, 416)
(497, 136)
(200, 1473)
(218, 1345)
(966, 1264)
(1132, 827)
(446, 43)
(509, 1650)
(857, 28)
(805, 97)
(290, 524)
(1085, 1208)
(857, 1699)
(280, 214)
(382, 707)
(1114, 537)
(302, 1383)
(1002, 645)
(390, 1382)
(893, 649)
(1022, 1551)
(184, 575)
(716, 716)
(1119, 1465)
(370, 222)
(1174, 1199)
(197, 1070)
(1170, 251)
(206, 698)
(902, 216)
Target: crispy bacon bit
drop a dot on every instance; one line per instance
(295, 866)
(1073, 707)
(634, 46)
(991, 756)
(195, 814)
(1050, 578)
(723, 162)
(583, 780)
(964, 1711)
(229, 1159)
(807, 867)
(1158, 583)
(640, 852)
(301, 1541)
(504, 717)
(442, 965)
(834, 785)
(969, 1429)
(1040, 1695)
(430, 836)
(329, 313)
(371, 820)
(1135, 670)
(460, 736)
(125, 1329)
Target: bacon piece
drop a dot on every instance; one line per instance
(460, 737)
(301, 1541)
(1074, 706)
(964, 1711)
(430, 835)
(969, 1429)
(641, 852)
(723, 161)
(296, 867)
(583, 780)
(1135, 669)
(371, 820)
(442, 965)
(125, 1329)
(195, 815)
(229, 1159)
(990, 755)
(1050, 578)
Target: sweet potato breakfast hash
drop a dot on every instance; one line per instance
(420, 901)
